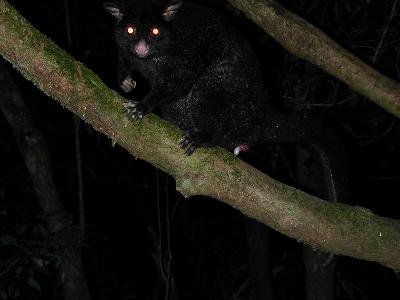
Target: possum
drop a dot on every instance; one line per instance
(203, 76)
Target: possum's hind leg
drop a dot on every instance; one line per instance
(191, 141)
(211, 121)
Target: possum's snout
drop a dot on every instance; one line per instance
(142, 49)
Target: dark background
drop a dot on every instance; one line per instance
(131, 206)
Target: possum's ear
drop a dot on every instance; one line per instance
(171, 9)
(114, 10)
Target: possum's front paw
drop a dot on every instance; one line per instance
(135, 109)
(128, 84)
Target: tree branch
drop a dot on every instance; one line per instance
(308, 42)
(332, 227)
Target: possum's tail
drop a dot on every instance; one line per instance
(319, 145)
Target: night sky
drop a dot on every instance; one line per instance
(140, 235)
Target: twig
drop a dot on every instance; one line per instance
(385, 30)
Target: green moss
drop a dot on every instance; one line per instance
(62, 59)
(228, 158)
(220, 176)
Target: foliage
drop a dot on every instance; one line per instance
(27, 262)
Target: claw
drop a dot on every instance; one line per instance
(189, 143)
(192, 147)
(184, 141)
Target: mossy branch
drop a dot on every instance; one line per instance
(308, 42)
(337, 228)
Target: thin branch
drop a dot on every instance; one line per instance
(385, 31)
(77, 125)
(79, 173)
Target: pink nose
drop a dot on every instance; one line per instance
(142, 49)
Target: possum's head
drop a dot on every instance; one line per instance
(144, 28)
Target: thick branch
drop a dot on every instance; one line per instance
(337, 228)
(308, 42)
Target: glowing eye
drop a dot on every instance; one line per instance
(155, 31)
(131, 30)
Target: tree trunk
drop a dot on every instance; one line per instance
(260, 267)
(35, 153)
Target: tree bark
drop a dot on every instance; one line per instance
(308, 42)
(332, 227)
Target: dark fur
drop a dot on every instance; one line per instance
(204, 77)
